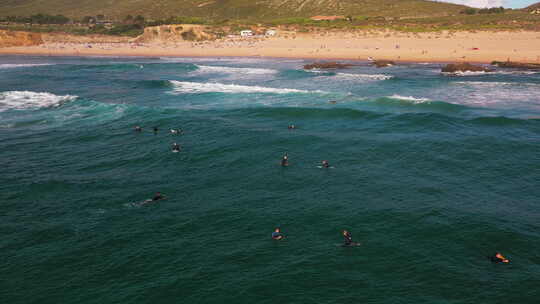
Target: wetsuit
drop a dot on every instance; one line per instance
(176, 148)
(277, 235)
(157, 197)
(326, 165)
(348, 239)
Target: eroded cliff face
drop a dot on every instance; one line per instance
(175, 33)
(16, 38)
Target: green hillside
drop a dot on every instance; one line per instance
(227, 9)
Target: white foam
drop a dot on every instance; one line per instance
(466, 73)
(409, 98)
(197, 87)
(231, 70)
(492, 84)
(21, 65)
(31, 100)
(364, 76)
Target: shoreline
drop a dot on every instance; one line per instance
(480, 47)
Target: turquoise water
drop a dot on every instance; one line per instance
(432, 173)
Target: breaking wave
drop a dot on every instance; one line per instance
(231, 70)
(197, 87)
(409, 98)
(21, 65)
(19, 100)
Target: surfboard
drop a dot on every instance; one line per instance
(175, 151)
(353, 244)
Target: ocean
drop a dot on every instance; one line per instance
(431, 173)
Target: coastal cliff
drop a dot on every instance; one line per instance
(175, 33)
(16, 38)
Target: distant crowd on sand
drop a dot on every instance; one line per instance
(277, 235)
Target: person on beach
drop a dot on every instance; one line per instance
(325, 164)
(276, 235)
(176, 147)
(285, 160)
(498, 258)
(347, 238)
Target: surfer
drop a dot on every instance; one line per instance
(292, 127)
(138, 129)
(325, 164)
(285, 160)
(158, 196)
(276, 235)
(498, 258)
(176, 131)
(176, 147)
(348, 238)
(155, 130)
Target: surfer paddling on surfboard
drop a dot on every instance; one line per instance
(276, 235)
(176, 147)
(158, 196)
(499, 258)
(285, 160)
(325, 164)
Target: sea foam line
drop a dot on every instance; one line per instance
(30, 100)
(409, 98)
(197, 87)
(364, 76)
(21, 65)
(231, 70)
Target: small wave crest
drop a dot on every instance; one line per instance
(197, 87)
(349, 76)
(364, 76)
(232, 70)
(19, 100)
(21, 65)
(409, 98)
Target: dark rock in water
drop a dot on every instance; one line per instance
(383, 63)
(327, 65)
(464, 67)
(516, 65)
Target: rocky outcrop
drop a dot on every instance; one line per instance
(464, 67)
(175, 33)
(383, 63)
(15, 38)
(327, 65)
(516, 65)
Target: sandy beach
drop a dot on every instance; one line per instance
(480, 47)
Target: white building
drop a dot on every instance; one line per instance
(270, 33)
(246, 33)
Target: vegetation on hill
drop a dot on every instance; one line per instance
(228, 9)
